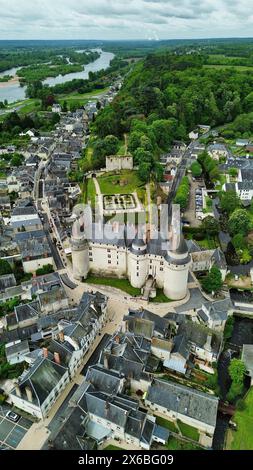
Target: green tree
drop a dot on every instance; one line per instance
(229, 201)
(210, 225)
(239, 222)
(237, 370)
(233, 172)
(47, 269)
(196, 169)
(5, 267)
(212, 282)
(65, 107)
(239, 242)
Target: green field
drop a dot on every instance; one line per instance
(166, 424)
(176, 444)
(188, 431)
(160, 297)
(122, 284)
(77, 98)
(125, 182)
(208, 243)
(242, 438)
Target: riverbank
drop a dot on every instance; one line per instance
(12, 81)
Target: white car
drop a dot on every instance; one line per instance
(12, 416)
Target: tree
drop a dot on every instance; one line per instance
(235, 390)
(5, 267)
(17, 160)
(47, 269)
(239, 222)
(183, 192)
(144, 171)
(233, 172)
(237, 370)
(229, 201)
(210, 225)
(196, 170)
(65, 107)
(239, 242)
(111, 144)
(213, 280)
(228, 330)
(164, 131)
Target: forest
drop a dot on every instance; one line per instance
(167, 95)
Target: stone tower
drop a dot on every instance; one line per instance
(176, 270)
(80, 251)
(138, 262)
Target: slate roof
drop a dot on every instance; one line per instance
(181, 346)
(16, 349)
(197, 334)
(245, 185)
(42, 378)
(184, 400)
(103, 379)
(27, 311)
(7, 280)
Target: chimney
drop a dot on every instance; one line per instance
(17, 389)
(29, 394)
(106, 364)
(61, 336)
(57, 358)
(117, 338)
(45, 353)
(208, 342)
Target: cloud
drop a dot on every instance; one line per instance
(121, 19)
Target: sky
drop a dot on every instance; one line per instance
(125, 19)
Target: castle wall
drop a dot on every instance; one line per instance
(119, 162)
(107, 260)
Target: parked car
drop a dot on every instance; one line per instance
(12, 416)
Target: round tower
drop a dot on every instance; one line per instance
(80, 252)
(138, 262)
(176, 269)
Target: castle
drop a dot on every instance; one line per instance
(114, 250)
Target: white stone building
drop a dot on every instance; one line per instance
(119, 252)
(177, 402)
(119, 162)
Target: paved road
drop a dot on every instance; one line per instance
(65, 279)
(179, 175)
(95, 356)
(57, 259)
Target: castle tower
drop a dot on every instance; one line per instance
(80, 252)
(176, 270)
(138, 262)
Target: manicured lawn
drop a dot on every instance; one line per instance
(122, 284)
(91, 191)
(160, 297)
(188, 431)
(123, 183)
(166, 424)
(242, 438)
(176, 444)
(111, 447)
(208, 243)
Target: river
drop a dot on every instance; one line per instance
(14, 92)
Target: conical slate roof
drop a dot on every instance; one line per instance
(182, 248)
